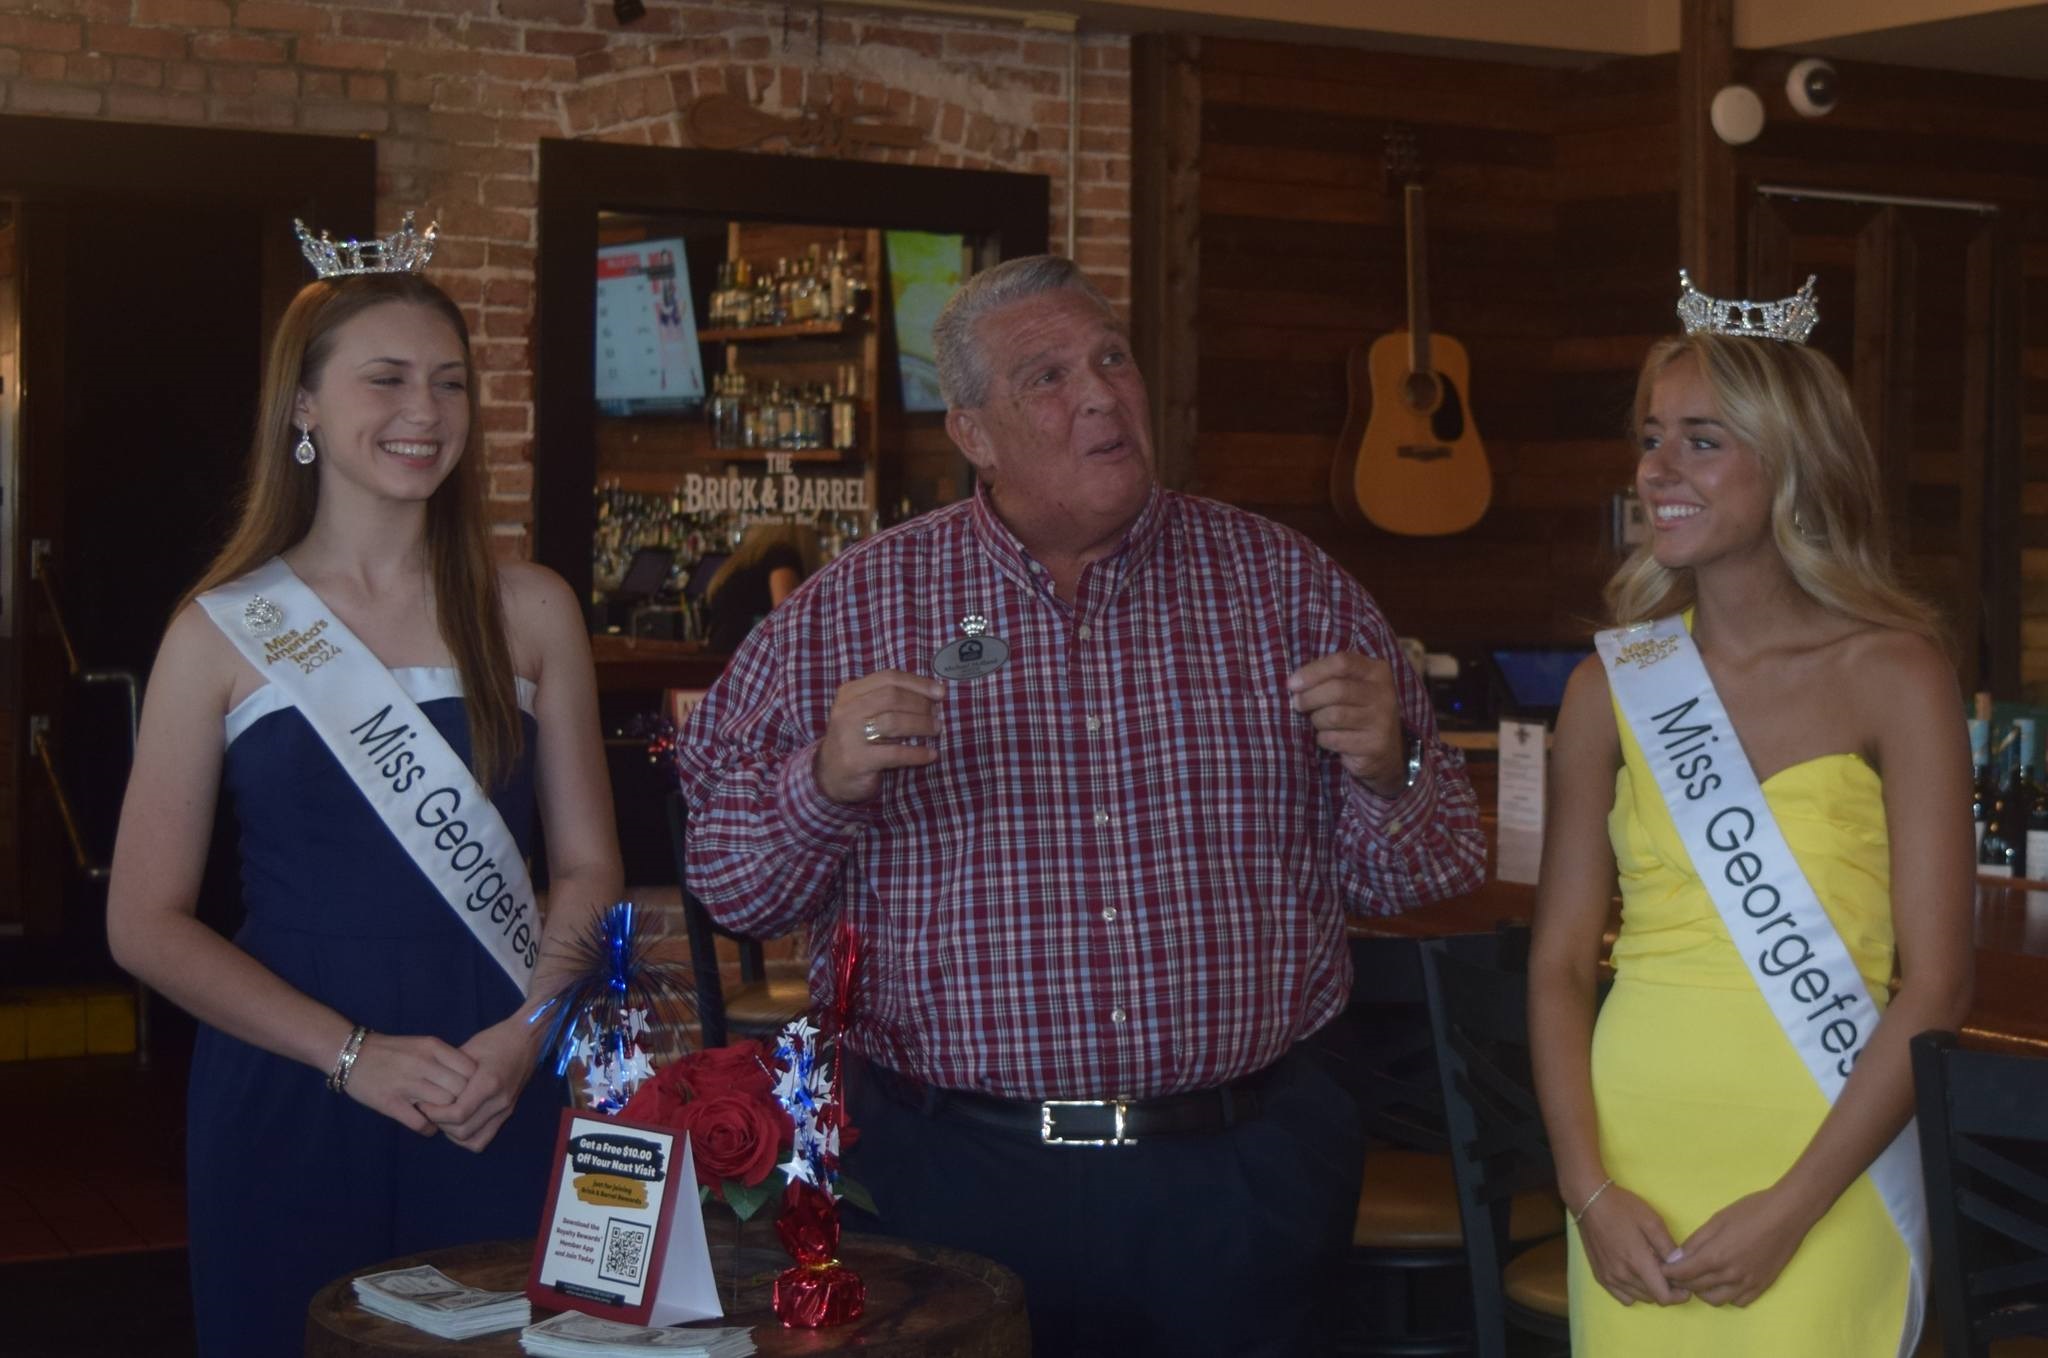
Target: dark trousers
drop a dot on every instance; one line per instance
(1221, 1243)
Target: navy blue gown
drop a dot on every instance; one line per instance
(289, 1186)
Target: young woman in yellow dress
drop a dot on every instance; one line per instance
(1722, 1204)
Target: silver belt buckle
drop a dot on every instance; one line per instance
(1117, 1138)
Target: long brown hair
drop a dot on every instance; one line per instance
(763, 537)
(1789, 405)
(278, 501)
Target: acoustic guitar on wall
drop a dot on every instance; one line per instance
(1409, 460)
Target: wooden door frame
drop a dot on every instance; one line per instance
(57, 167)
(579, 179)
(1987, 642)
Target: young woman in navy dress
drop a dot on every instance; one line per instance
(351, 969)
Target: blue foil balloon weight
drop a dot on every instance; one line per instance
(620, 1007)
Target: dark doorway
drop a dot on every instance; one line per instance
(151, 267)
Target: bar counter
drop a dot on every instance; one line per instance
(629, 665)
(2010, 1011)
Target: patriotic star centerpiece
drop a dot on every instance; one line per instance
(766, 1123)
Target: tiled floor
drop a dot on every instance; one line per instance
(91, 1157)
(92, 1207)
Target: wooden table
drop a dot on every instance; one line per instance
(923, 1302)
(2010, 1011)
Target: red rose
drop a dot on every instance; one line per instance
(660, 1100)
(739, 1068)
(734, 1136)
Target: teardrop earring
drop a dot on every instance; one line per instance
(303, 452)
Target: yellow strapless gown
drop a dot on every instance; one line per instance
(1702, 1100)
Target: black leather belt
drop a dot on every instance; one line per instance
(1084, 1122)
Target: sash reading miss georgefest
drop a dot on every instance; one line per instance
(418, 786)
(1786, 939)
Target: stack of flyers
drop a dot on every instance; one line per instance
(575, 1335)
(428, 1299)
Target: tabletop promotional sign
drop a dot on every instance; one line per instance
(622, 1235)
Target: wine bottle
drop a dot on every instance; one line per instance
(1982, 792)
(2000, 852)
(2037, 800)
(2017, 793)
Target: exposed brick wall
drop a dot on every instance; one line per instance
(458, 94)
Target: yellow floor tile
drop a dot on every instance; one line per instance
(110, 1023)
(56, 1027)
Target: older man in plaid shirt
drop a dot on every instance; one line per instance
(1097, 770)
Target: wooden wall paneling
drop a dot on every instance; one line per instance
(2018, 429)
(1301, 252)
(1706, 164)
(1883, 373)
(1167, 177)
(1973, 436)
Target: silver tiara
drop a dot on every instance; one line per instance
(403, 251)
(1790, 319)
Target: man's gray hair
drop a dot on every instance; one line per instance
(963, 369)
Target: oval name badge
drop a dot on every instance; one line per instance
(972, 656)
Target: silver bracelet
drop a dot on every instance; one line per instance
(1580, 1215)
(337, 1079)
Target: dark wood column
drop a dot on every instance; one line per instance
(1166, 213)
(1706, 164)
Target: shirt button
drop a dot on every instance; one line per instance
(1102, 817)
(1117, 1014)
(1108, 914)
(1094, 723)
(1083, 631)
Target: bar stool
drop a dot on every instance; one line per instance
(1478, 1012)
(769, 994)
(1984, 1158)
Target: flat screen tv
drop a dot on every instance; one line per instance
(648, 361)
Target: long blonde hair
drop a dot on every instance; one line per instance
(278, 501)
(1788, 404)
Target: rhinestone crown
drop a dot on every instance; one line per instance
(403, 251)
(1790, 319)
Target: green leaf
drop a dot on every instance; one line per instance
(854, 1193)
(746, 1201)
(703, 1194)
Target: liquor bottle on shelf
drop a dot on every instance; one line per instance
(2019, 792)
(2003, 852)
(2000, 852)
(1983, 792)
(839, 284)
(2037, 799)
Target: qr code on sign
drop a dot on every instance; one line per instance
(625, 1252)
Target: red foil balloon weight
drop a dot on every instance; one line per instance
(819, 1291)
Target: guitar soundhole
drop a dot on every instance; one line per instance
(1448, 421)
(1421, 391)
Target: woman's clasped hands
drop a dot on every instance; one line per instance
(430, 1086)
(1627, 1247)
(1731, 1260)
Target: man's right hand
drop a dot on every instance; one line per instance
(893, 708)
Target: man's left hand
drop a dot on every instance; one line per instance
(1351, 702)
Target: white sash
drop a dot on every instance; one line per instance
(416, 783)
(1790, 945)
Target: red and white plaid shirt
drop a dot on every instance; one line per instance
(1127, 872)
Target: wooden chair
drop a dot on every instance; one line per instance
(1407, 1280)
(1984, 1157)
(769, 994)
(1478, 1012)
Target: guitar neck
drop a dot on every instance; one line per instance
(1418, 280)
